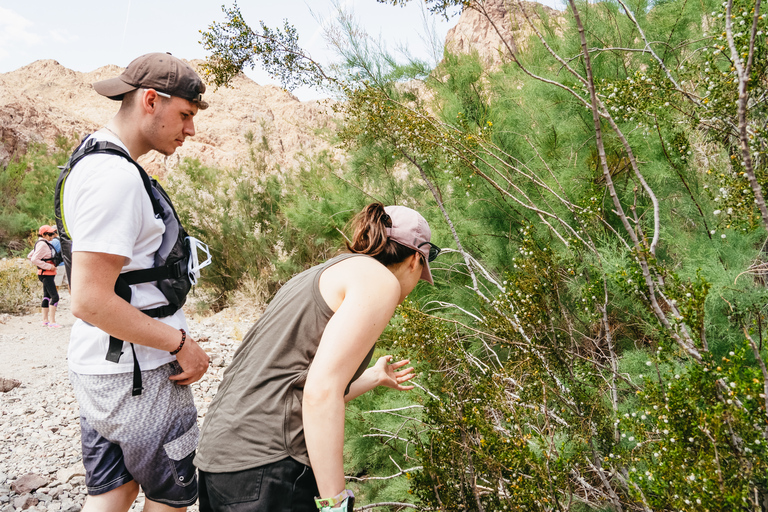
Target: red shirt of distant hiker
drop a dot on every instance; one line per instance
(147, 440)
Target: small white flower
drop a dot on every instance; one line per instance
(648, 363)
(722, 236)
(716, 212)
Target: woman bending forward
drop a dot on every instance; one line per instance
(273, 437)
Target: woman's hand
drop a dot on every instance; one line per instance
(389, 375)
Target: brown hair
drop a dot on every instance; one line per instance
(370, 237)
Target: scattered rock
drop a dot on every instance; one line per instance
(31, 443)
(28, 483)
(66, 474)
(24, 501)
(8, 384)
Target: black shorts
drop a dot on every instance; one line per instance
(283, 485)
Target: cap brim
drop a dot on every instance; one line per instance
(113, 88)
(426, 274)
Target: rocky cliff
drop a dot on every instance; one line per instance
(44, 100)
(482, 22)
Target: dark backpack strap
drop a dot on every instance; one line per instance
(137, 385)
(116, 345)
(103, 146)
(52, 248)
(147, 275)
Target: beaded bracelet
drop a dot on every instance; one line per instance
(183, 339)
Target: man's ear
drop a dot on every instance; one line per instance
(149, 100)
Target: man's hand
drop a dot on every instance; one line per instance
(193, 361)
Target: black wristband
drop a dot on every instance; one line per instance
(181, 345)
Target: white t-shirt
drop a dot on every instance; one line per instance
(106, 209)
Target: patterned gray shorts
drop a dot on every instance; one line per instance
(150, 438)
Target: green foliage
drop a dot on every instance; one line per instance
(235, 46)
(18, 285)
(263, 226)
(595, 338)
(27, 187)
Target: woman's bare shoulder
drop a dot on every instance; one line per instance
(357, 275)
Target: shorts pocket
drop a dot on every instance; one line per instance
(236, 487)
(181, 452)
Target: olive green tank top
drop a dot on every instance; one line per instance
(255, 418)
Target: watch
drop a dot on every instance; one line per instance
(342, 502)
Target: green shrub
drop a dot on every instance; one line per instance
(27, 186)
(18, 285)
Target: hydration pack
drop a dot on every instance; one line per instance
(176, 266)
(54, 260)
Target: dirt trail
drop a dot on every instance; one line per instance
(39, 420)
(30, 352)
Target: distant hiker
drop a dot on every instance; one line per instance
(43, 255)
(273, 437)
(137, 415)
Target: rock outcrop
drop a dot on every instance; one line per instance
(44, 100)
(482, 21)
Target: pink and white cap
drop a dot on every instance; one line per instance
(410, 229)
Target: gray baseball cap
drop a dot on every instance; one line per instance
(159, 71)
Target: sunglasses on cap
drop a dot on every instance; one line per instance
(433, 251)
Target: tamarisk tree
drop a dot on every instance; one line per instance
(595, 338)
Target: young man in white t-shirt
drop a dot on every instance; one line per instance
(146, 440)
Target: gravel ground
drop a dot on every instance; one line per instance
(40, 461)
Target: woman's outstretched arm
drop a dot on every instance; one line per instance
(370, 295)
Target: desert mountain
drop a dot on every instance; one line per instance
(481, 24)
(44, 100)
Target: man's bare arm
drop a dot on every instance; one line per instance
(94, 301)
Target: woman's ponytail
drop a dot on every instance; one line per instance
(370, 236)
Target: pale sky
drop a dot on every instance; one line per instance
(86, 35)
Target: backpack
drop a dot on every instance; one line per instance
(172, 272)
(57, 258)
(54, 260)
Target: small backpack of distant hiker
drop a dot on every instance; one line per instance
(54, 260)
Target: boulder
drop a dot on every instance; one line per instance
(64, 475)
(8, 384)
(24, 501)
(28, 483)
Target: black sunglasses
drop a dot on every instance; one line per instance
(49, 234)
(433, 251)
